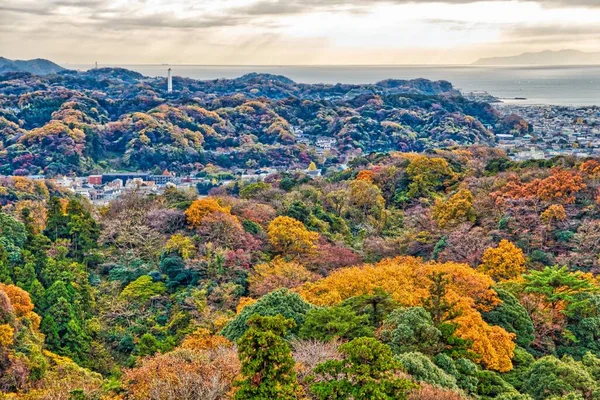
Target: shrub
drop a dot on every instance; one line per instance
(422, 369)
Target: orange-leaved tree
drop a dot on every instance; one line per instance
(560, 187)
(20, 300)
(202, 339)
(365, 175)
(590, 168)
(20, 340)
(184, 373)
(201, 208)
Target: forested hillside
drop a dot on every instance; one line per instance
(39, 66)
(84, 122)
(449, 275)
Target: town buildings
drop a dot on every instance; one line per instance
(554, 131)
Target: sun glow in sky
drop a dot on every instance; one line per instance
(292, 31)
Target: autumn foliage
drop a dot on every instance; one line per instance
(278, 274)
(184, 374)
(458, 208)
(289, 236)
(386, 268)
(19, 299)
(553, 214)
(202, 208)
(365, 175)
(560, 187)
(407, 279)
(504, 262)
(181, 244)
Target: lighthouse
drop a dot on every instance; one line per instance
(169, 81)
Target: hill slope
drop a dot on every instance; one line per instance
(76, 122)
(36, 66)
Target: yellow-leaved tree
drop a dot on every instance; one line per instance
(427, 175)
(504, 262)
(278, 274)
(182, 245)
(365, 204)
(553, 214)
(407, 280)
(6, 335)
(203, 339)
(288, 236)
(458, 208)
(37, 212)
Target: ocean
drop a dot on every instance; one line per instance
(555, 85)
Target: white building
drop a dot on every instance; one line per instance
(325, 142)
(169, 81)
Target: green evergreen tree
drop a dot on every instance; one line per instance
(57, 220)
(28, 221)
(442, 312)
(422, 369)
(13, 236)
(82, 229)
(25, 275)
(412, 330)
(549, 377)
(62, 321)
(377, 305)
(5, 270)
(557, 285)
(440, 309)
(282, 301)
(148, 345)
(326, 324)
(513, 317)
(267, 362)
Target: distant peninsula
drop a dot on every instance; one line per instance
(548, 57)
(38, 66)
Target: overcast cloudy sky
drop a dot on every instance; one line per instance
(279, 32)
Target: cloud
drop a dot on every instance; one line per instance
(258, 8)
(48, 7)
(288, 7)
(23, 9)
(108, 15)
(571, 3)
(120, 22)
(552, 35)
(232, 31)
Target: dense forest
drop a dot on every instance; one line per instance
(455, 274)
(114, 119)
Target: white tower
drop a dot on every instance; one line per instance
(169, 81)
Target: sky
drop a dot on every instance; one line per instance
(292, 32)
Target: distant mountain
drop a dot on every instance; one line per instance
(548, 57)
(37, 66)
